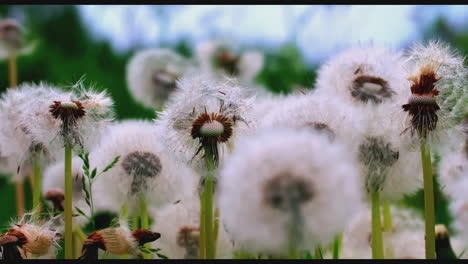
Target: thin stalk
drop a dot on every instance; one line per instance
(318, 253)
(68, 203)
(201, 242)
(387, 217)
(208, 200)
(12, 69)
(377, 240)
(216, 230)
(429, 207)
(37, 183)
(337, 246)
(78, 238)
(19, 198)
(135, 222)
(124, 212)
(144, 222)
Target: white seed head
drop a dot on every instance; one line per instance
(194, 96)
(152, 75)
(286, 175)
(145, 168)
(363, 75)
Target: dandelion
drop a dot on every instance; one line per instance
(144, 173)
(220, 59)
(438, 83)
(35, 240)
(116, 240)
(200, 119)
(152, 75)
(285, 193)
(363, 75)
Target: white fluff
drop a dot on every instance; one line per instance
(193, 96)
(406, 239)
(329, 169)
(186, 213)
(148, 66)
(171, 181)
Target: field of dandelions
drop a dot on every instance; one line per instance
(228, 169)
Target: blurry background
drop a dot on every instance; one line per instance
(97, 41)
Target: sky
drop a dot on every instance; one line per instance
(319, 30)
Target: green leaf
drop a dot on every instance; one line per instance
(161, 256)
(93, 173)
(80, 212)
(116, 159)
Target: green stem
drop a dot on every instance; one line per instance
(429, 207)
(144, 222)
(124, 216)
(337, 246)
(135, 222)
(208, 200)
(201, 244)
(68, 203)
(387, 217)
(318, 253)
(215, 230)
(37, 184)
(377, 240)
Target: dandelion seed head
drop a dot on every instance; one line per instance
(199, 102)
(276, 185)
(363, 75)
(145, 168)
(220, 59)
(438, 97)
(152, 75)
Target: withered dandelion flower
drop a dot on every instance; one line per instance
(422, 105)
(211, 130)
(69, 113)
(117, 241)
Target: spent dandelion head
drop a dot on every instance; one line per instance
(284, 193)
(145, 168)
(203, 116)
(152, 75)
(438, 89)
(13, 38)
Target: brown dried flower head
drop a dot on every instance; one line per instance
(227, 61)
(367, 88)
(57, 197)
(422, 105)
(211, 130)
(285, 191)
(69, 113)
(188, 238)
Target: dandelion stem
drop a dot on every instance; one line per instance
(135, 222)
(68, 202)
(318, 253)
(37, 183)
(144, 221)
(387, 217)
(201, 245)
(208, 200)
(337, 246)
(429, 207)
(12, 69)
(78, 238)
(124, 212)
(19, 198)
(215, 230)
(377, 240)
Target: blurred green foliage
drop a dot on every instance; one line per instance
(66, 51)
